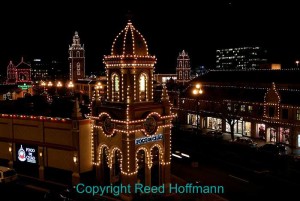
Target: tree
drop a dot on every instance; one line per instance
(230, 113)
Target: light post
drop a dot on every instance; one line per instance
(98, 87)
(58, 85)
(71, 86)
(297, 63)
(197, 91)
(43, 84)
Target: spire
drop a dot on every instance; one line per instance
(129, 16)
(76, 114)
(22, 59)
(76, 39)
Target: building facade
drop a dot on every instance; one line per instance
(36, 144)
(76, 59)
(19, 74)
(183, 69)
(262, 103)
(132, 133)
(240, 58)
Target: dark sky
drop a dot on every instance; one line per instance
(46, 29)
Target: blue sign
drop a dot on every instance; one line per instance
(145, 140)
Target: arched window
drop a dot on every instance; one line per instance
(115, 87)
(186, 75)
(77, 54)
(180, 75)
(143, 87)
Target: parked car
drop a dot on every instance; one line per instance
(215, 134)
(245, 141)
(7, 175)
(273, 150)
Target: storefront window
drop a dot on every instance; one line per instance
(271, 135)
(227, 127)
(261, 131)
(284, 134)
(247, 128)
(192, 119)
(243, 108)
(298, 140)
(214, 123)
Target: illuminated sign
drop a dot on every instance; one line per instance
(153, 138)
(24, 87)
(26, 153)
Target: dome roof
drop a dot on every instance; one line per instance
(129, 42)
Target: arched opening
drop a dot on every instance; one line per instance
(116, 167)
(143, 87)
(141, 162)
(22, 76)
(155, 169)
(180, 75)
(105, 166)
(115, 87)
(77, 54)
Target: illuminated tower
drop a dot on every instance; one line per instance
(132, 133)
(11, 73)
(76, 59)
(183, 68)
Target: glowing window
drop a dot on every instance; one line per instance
(143, 83)
(116, 83)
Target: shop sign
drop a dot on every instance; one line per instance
(26, 153)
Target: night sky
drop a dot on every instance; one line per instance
(44, 30)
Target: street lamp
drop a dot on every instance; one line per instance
(58, 85)
(71, 86)
(43, 84)
(297, 63)
(98, 87)
(197, 91)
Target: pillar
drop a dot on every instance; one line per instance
(201, 122)
(10, 157)
(41, 163)
(99, 173)
(165, 176)
(223, 125)
(147, 175)
(75, 174)
(253, 130)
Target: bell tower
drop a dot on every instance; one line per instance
(132, 132)
(76, 59)
(183, 68)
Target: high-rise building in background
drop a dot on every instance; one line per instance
(48, 69)
(240, 58)
(76, 59)
(183, 68)
(40, 70)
